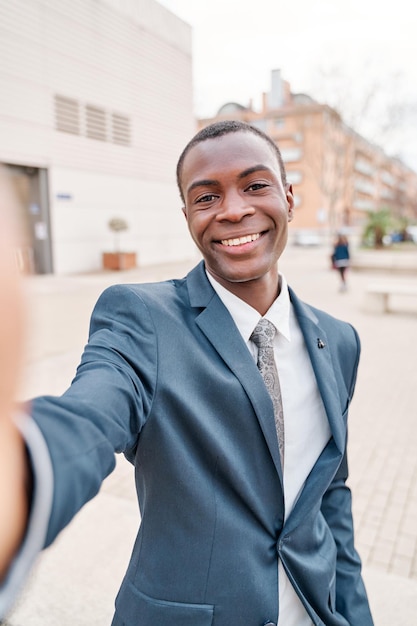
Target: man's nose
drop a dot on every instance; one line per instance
(234, 207)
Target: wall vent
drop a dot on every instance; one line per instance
(96, 123)
(92, 121)
(67, 115)
(120, 129)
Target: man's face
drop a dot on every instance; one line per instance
(236, 206)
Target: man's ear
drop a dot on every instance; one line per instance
(184, 211)
(291, 202)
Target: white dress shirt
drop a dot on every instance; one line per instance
(307, 429)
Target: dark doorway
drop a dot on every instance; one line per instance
(30, 184)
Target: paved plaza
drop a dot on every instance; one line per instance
(75, 581)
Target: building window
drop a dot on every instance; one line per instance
(260, 124)
(294, 177)
(364, 204)
(289, 155)
(364, 186)
(387, 194)
(388, 178)
(67, 115)
(120, 129)
(297, 201)
(96, 123)
(364, 167)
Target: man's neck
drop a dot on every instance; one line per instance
(260, 294)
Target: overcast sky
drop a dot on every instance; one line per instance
(236, 44)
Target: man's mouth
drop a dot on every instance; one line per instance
(239, 241)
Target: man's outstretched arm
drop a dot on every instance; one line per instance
(14, 467)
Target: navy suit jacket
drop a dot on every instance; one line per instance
(167, 379)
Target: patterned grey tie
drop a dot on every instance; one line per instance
(263, 337)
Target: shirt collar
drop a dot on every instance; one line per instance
(246, 317)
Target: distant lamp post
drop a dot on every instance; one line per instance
(118, 260)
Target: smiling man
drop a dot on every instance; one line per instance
(230, 396)
(237, 207)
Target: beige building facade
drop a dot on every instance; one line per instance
(96, 105)
(337, 175)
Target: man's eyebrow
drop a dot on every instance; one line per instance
(211, 182)
(254, 169)
(207, 182)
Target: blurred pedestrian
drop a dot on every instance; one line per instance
(341, 259)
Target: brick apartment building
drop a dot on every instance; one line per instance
(337, 175)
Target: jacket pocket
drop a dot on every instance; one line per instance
(137, 609)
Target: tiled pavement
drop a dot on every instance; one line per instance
(77, 578)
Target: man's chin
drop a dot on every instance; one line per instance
(238, 275)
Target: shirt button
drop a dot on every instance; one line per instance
(270, 624)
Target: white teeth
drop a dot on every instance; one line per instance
(241, 240)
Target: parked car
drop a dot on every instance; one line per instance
(306, 238)
(408, 234)
(412, 233)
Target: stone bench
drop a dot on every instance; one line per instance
(377, 295)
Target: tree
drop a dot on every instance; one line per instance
(359, 110)
(117, 225)
(375, 105)
(377, 226)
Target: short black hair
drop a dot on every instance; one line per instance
(218, 129)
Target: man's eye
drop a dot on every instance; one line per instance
(256, 186)
(209, 197)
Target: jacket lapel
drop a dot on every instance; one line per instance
(216, 323)
(218, 326)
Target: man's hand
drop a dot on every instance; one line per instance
(13, 462)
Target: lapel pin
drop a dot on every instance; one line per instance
(320, 343)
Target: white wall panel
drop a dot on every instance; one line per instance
(157, 228)
(132, 57)
(23, 142)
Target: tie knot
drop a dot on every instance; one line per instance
(264, 333)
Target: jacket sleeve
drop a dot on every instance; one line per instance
(104, 409)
